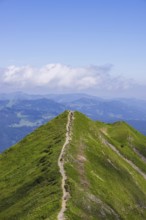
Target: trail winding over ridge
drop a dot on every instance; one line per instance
(61, 166)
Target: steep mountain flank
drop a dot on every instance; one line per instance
(30, 181)
(73, 168)
(106, 174)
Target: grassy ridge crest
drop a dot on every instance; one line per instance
(30, 179)
(101, 184)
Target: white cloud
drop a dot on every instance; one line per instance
(60, 77)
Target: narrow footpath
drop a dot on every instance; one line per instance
(66, 195)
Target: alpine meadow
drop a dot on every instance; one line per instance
(104, 166)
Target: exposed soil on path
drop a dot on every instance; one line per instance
(66, 195)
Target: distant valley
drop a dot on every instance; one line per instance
(21, 113)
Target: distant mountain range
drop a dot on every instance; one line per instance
(21, 113)
(74, 168)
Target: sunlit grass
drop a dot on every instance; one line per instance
(30, 180)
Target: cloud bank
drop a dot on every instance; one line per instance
(62, 78)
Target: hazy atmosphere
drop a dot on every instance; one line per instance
(52, 46)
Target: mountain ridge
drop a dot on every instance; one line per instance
(102, 184)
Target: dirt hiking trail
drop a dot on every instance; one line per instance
(66, 195)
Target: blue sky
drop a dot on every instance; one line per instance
(74, 34)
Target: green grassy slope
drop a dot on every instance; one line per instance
(29, 177)
(101, 183)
